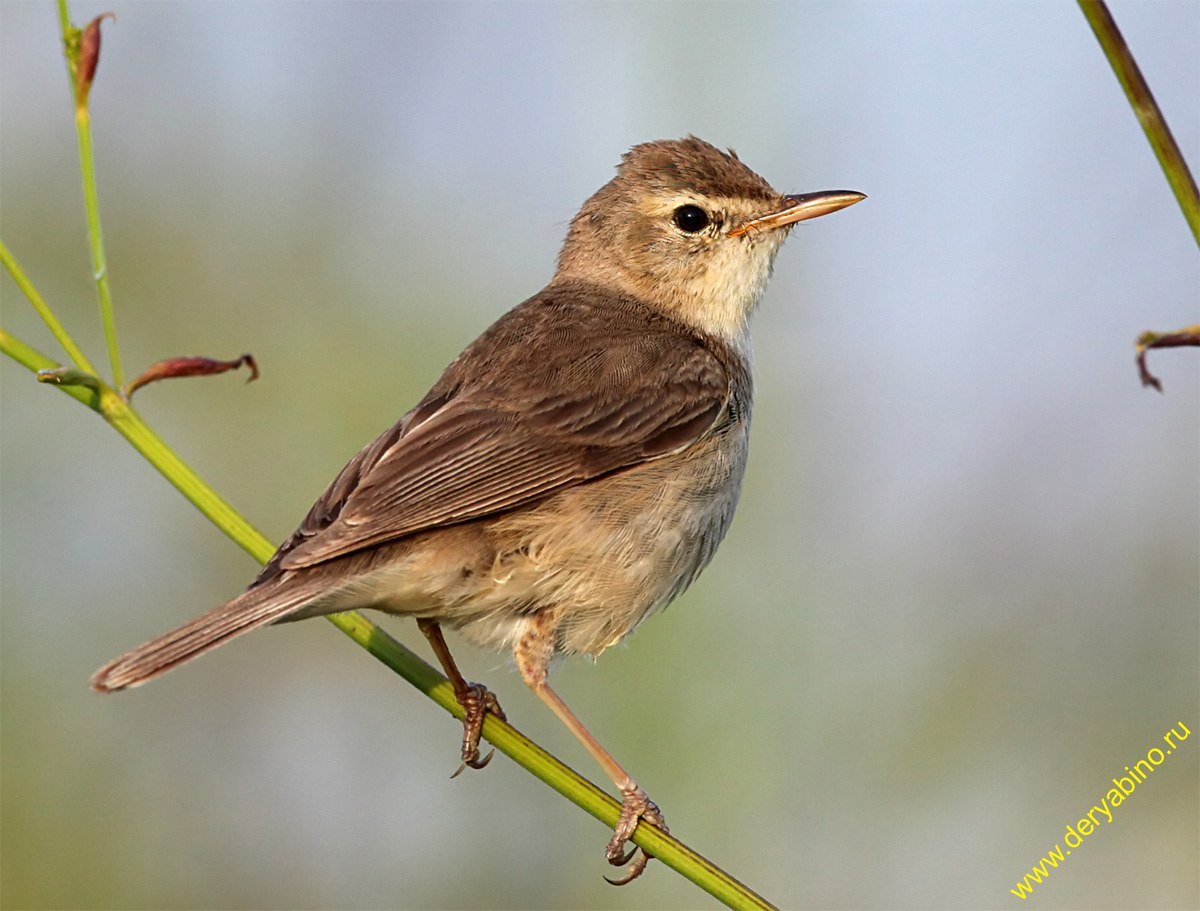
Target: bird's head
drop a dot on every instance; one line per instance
(688, 228)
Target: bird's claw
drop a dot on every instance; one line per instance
(477, 702)
(635, 806)
(474, 763)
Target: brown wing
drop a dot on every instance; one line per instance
(556, 393)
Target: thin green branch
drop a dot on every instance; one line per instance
(130, 425)
(64, 26)
(81, 74)
(1141, 99)
(30, 357)
(57, 329)
(577, 789)
(117, 411)
(91, 203)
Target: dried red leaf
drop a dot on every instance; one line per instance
(1189, 337)
(89, 56)
(190, 366)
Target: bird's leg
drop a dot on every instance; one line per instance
(533, 653)
(476, 699)
(635, 804)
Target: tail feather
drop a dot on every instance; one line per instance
(248, 611)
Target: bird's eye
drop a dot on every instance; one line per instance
(690, 219)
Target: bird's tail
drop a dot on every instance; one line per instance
(250, 610)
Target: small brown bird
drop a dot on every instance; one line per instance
(572, 471)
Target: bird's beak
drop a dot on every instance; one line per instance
(800, 207)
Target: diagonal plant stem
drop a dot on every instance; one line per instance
(1141, 99)
(106, 399)
(117, 411)
(57, 329)
(33, 359)
(1166, 150)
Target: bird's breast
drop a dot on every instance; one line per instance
(606, 554)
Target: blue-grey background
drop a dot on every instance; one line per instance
(961, 593)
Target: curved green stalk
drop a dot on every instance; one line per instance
(74, 352)
(1141, 99)
(86, 386)
(102, 398)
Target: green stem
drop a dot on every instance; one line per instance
(91, 202)
(33, 359)
(1141, 99)
(127, 422)
(74, 352)
(509, 741)
(109, 403)
(566, 781)
(91, 199)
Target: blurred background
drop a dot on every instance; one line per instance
(962, 590)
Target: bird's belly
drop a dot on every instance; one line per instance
(604, 555)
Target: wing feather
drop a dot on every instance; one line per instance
(492, 437)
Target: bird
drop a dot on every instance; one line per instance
(572, 471)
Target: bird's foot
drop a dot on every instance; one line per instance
(478, 702)
(635, 806)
